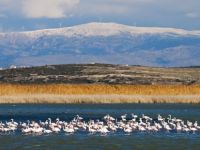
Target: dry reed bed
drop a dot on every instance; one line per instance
(61, 93)
(62, 89)
(101, 99)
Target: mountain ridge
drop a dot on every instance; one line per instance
(101, 43)
(111, 27)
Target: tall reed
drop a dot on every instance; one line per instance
(95, 89)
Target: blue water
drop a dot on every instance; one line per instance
(136, 140)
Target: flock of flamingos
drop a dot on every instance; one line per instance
(107, 125)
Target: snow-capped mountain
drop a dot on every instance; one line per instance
(101, 42)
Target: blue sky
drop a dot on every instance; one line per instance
(20, 15)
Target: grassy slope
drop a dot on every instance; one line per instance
(102, 74)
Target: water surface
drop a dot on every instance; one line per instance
(136, 140)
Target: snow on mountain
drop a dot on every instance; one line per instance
(106, 29)
(101, 42)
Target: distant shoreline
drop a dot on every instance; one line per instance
(98, 99)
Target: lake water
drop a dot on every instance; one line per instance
(115, 141)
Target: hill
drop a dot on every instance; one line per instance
(102, 74)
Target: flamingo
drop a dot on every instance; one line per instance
(104, 126)
(128, 130)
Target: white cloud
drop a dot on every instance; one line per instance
(134, 1)
(48, 8)
(165, 13)
(101, 8)
(192, 15)
(112, 7)
(10, 6)
(2, 15)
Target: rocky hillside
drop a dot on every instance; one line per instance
(101, 74)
